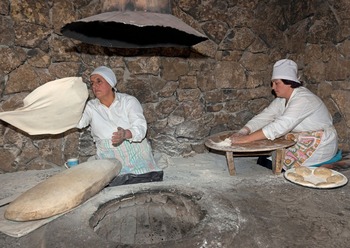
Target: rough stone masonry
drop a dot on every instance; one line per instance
(187, 94)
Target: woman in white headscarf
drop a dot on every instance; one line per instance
(298, 111)
(118, 128)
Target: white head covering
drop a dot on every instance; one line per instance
(285, 69)
(107, 74)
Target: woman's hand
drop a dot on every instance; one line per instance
(243, 131)
(239, 139)
(119, 136)
(257, 135)
(240, 136)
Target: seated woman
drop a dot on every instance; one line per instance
(298, 111)
(119, 128)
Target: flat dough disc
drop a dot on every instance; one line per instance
(52, 108)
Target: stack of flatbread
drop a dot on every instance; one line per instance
(319, 177)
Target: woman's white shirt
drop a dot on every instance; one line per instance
(125, 111)
(303, 112)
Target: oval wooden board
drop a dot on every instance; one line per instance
(63, 191)
(256, 146)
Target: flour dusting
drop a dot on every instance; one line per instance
(226, 142)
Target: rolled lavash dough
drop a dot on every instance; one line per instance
(63, 191)
(52, 108)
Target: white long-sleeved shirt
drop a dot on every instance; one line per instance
(125, 111)
(303, 112)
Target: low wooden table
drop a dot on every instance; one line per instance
(261, 147)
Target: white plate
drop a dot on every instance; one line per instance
(311, 180)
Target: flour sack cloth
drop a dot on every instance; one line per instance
(52, 108)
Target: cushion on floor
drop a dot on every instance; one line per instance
(336, 158)
(63, 191)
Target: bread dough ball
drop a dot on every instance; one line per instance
(290, 136)
(335, 179)
(305, 183)
(294, 176)
(325, 184)
(226, 142)
(303, 171)
(322, 172)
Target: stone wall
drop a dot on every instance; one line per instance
(187, 94)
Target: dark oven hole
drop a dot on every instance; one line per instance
(147, 217)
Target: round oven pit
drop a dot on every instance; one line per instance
(150, 217)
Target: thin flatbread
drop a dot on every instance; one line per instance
(315, 181)
(63, 191)
(52, 108)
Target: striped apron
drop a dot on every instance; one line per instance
(136, 157)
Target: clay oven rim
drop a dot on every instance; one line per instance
(194, 196)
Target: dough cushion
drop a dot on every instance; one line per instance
(63, 191)
(52, 108)
(303, 171)
(335, 179)
(322, 172)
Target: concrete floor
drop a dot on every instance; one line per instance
(252, 209)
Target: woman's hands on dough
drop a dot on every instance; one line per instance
(239, 139)
(257, 135)
(240, 136)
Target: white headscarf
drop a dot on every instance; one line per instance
(285, 69)
(107, 74)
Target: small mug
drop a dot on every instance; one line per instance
(71, 162)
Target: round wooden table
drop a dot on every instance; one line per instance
(260, 147)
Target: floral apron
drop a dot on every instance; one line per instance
(307, 143)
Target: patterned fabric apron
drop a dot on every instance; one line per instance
(307, 143)
(136, 158)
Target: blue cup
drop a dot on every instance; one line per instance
(71, 162)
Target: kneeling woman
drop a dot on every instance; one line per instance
(298, 111)
(118, 128)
